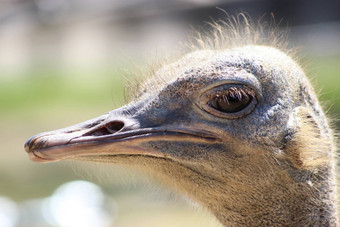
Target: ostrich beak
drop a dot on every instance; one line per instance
(109, 134)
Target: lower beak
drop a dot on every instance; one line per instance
(105, 135)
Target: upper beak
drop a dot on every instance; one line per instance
(109, 134)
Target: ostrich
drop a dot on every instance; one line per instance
(234, 125)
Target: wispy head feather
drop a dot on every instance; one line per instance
(239, 31)
(228, 33)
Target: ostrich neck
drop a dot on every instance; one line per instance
(303, 202)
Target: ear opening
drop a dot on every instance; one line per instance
(307, 146)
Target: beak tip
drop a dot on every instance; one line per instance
(28, 144)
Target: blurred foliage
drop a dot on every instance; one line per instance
(47, 88)
(326, 78)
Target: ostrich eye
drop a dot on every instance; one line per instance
(229, 101)
(232, 100)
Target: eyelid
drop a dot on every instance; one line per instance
(251, 83)
(221, 90)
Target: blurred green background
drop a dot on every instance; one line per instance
(63, 62)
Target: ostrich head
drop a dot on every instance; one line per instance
(239, 130)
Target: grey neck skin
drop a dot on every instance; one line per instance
(270, 192)
(297, 204)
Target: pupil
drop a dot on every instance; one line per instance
(233, 99)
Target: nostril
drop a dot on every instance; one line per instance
(114, 126)
(107, 129)
(98, 132)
